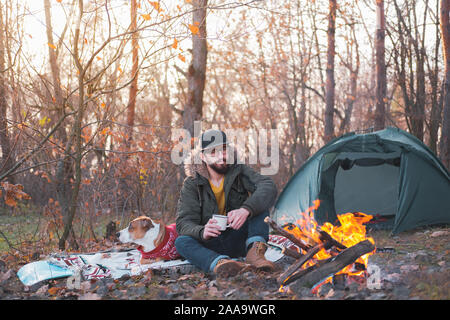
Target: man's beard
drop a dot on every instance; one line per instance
(220, 168)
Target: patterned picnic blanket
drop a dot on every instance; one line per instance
(114, 264)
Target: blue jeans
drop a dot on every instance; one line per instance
(231, 243)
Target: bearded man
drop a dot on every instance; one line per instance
(214, 186)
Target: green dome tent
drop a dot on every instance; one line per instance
(387, 173)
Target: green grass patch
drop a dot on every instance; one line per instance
(19, 225)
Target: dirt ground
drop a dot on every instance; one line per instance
(412, 265)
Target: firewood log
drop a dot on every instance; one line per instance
(286, 234)
(346, 257)
(298, 263)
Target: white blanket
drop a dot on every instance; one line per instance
(112, 264)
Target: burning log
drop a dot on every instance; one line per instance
(298, 264)
(300, 273)
(346, 257)
(287, 276)
(324, 236)
(286, 234)
(335, 257)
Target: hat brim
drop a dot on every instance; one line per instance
(212, 146)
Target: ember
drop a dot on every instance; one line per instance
(325, 251)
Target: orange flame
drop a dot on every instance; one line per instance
(350, 232)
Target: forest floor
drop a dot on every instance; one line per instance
(412, 265)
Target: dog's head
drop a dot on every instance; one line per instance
(143, 231)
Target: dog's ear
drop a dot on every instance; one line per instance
(146, 224)
(161, 235)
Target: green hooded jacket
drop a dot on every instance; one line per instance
(244, 188)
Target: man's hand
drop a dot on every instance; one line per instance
(212, 229)
(237, 218)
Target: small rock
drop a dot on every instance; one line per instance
(339, 281)
(439, 233)
(137, 291)
(89, 296)
(102, 291)
(5, 276)
(324, 289)
(42, 290)
(117, 294)
(35, 287)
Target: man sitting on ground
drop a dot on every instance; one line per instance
(213, 186)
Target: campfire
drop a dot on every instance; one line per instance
(326, 252)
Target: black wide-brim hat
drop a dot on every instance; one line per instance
(212, 138)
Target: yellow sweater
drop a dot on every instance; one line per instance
(219, 192)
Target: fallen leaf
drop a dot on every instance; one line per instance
(186, 277)
(53, 290)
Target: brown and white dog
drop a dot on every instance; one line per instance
(155, 240)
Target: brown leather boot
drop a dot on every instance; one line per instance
(255, 257)
(229, 268)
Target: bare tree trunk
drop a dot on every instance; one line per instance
(330, 82)
(75, 139)
(131, 108)
(193, 109)
(445, 135)
(7, 152)
(418, 116)
(380, 111)
(436, 99)
(354, 73)
(64, 167)
(7, 160)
